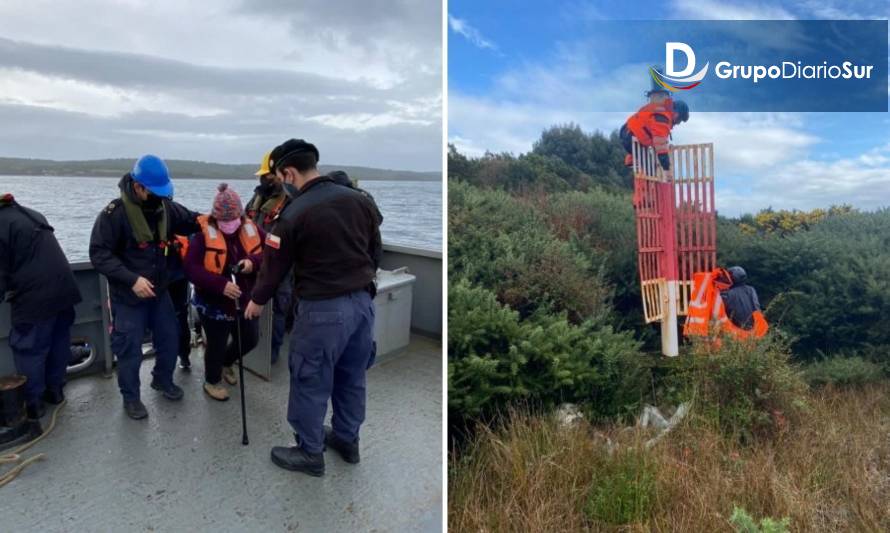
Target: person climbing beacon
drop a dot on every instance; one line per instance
(652, 125)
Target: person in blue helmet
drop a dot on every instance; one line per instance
(130, 244)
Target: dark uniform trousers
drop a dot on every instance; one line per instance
(332, 346)
(179, 295)
(130, 322)
(41, 351)
(282, 306)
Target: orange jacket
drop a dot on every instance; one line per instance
(652, 124)
(215, 253)
(706, 309)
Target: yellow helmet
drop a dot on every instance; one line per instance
(264, 166)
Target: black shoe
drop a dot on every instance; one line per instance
(35, 410)
(135, 409)
(298, 460)
(171, 391)
(185, 364)
(347, 450)
(53, 396)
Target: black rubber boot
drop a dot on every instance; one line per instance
(347, 450)
(171, 391)
(36, 410)
(135, 410)
(298, 460)
(53, 396)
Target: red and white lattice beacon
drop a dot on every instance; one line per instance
(676, 231)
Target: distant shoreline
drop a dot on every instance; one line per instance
(181, 177)
(184, 169)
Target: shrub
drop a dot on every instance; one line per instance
(745, 523)
(747, 388)
(503, 244)
(495, 359)
(623, 489)
(842, 371)
(593, 153)
(828, 286)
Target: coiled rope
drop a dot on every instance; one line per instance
(15, 455)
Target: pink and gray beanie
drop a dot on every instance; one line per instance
(227, 204)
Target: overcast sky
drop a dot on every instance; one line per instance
(505, 88)
(222, 81)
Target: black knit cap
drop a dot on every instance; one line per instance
(288, 149)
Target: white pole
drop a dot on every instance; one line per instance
(670, 343)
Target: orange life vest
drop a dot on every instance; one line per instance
(706, 309)
(215, 252)
(652, 124)
(182, 245)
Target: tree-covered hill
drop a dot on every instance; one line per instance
(185, 169)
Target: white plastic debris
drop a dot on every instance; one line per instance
(652, 417)
(568, 415)
(681, 412)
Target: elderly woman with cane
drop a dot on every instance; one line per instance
(222, 262)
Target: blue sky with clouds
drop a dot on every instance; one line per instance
(515, 68)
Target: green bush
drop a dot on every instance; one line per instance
(842, 371)
(624, 490)
(745, 523)
(827, 286)
(746, 388)
(600, 225)
(496, 359)
(505, 245)
(592, 153)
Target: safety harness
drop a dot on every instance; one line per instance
(269, 207)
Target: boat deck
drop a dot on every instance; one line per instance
(185, 469)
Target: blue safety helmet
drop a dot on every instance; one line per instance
(681, 110)
(655, 87)
(151, 172)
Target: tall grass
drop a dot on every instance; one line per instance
(828, 471)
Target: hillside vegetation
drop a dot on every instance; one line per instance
(186, 169)
(544, 308)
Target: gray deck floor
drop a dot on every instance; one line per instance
(184, 469)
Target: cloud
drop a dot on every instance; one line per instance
(487, 124)
(723, 10)
(863, 181)
(462, 27)
(832, 10)
(222, 81)
(748, 142)
(34, 89)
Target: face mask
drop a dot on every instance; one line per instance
(229, 227)
(152, 202)
(269, 186)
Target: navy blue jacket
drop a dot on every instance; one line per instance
(33, 266)
(329, 237)
(740, 300)
(116, 254)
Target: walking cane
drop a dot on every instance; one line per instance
(244, 441)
